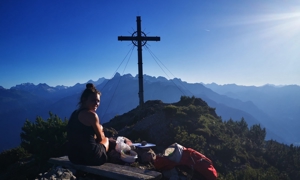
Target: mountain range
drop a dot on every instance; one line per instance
(275, 108)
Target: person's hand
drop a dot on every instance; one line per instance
(105, 142)
(127, 141)
(112, 140)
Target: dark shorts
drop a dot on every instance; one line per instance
(94, 155)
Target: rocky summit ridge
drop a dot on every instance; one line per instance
(156, 120)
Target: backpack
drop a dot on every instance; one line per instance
(145, 155)
(177, 155)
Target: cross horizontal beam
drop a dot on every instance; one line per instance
(136, 38)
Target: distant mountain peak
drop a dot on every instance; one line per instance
(153, 78)
(26, 84)
(272, 85)
(23, 86)
(43, 85)
(161, 78)
(61, 87)
(117, 75)
(128, 75)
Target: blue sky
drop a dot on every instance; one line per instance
(65, 42)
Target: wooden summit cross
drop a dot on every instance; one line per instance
(139, 39)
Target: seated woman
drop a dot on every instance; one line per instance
(87, 144)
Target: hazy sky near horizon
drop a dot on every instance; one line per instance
(65, 42)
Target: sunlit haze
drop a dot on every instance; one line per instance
(67, 42)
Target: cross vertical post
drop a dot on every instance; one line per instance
(139, 39)
(140, 60)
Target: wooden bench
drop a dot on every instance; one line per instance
(109, 170)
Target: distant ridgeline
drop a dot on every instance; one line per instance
(274, 108)
(237, 151)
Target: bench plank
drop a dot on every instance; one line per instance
(110, 170)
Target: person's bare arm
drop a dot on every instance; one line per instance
(128, 141)
(93, 120)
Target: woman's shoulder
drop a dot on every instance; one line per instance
(88, 116)
(87, 112)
